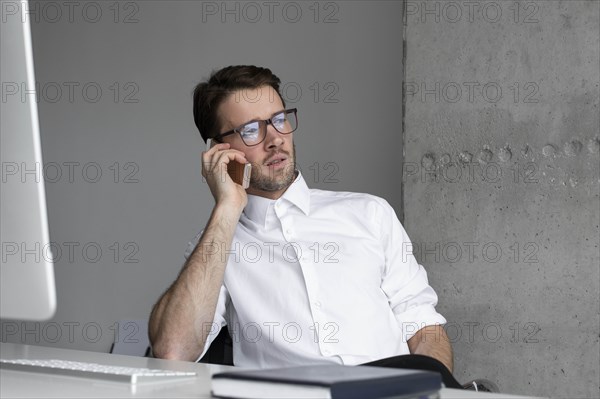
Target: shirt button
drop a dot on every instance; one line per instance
(317, 304)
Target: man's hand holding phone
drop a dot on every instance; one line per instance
(226, 171)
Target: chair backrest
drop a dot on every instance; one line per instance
(220, 351)
(131, 338)
(419, 362)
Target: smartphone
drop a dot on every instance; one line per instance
(239, 172)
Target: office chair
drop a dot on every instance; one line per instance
(220, 350)
(420, 362)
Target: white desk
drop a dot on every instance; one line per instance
(16, 384)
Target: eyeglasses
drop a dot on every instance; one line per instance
(254, 132)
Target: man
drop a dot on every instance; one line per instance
(299, 276)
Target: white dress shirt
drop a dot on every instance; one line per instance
(320, 276)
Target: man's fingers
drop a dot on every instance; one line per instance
(217, 147)
(212, 162)
(225, 156)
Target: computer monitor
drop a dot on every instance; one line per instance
(27, 274)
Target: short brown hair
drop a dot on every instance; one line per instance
(209, 95)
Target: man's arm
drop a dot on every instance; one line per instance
(432, 341)
(411, 297)
(182, 318)
(180, 321)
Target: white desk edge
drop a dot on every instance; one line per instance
(14, 384)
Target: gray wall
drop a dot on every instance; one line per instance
(341, 65)
(501, 193)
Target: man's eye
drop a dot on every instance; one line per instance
(250, 130)
(279, 120)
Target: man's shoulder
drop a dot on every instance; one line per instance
(346, 198)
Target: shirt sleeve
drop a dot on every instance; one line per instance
(405, 281)
(219, 320)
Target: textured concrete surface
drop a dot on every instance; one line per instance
(501, 185)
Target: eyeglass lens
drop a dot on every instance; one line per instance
(255, 132)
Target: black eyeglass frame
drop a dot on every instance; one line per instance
(267, 122)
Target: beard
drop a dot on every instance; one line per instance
(276, 181)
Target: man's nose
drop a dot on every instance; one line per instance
(274, 138)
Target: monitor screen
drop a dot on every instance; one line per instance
(27, 290)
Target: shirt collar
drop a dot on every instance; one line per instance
(297, 194)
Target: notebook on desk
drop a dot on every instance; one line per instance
(326, 381)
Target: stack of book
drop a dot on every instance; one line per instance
(327, 381)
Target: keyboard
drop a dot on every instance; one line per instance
(132, 375)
